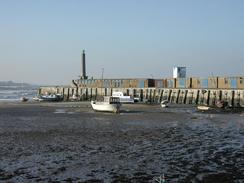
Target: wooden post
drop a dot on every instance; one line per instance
(185, 97)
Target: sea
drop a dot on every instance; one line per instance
(14, 93)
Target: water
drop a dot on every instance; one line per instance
(13, 93)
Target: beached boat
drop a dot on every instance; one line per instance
(203, 108)
(24, 99)
(221, 104)
(36, 98)
(109, 104)
(74, 98)
(123, 98)
(136, 99)
(50, 98)
(164, 103)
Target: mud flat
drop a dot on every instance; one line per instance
(68, 142)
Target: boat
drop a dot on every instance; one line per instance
(164, 103)
(221, 104)
(36, 98)
(203, 108)
(74, 98)
(109, 104)
(24, 99)
(136, 99)
(123, 98)
(50, 98)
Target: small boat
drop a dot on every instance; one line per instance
(136, 99)
(109, 104)
(123, 98)
(36, 98)
(221, 104)
(74, 98)
(164, 103)
(51, 98)
(203, 108)
(24, 99)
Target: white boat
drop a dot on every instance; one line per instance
(203, 108)
(109, 104)
(36, 98)
(164, 103)
(123, 98)
(74, 98)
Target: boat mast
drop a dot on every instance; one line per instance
(102, 80)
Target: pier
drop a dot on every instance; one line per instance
(179, 89)
(234, 97)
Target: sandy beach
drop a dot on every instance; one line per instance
(69, 142)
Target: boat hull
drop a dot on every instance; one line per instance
(203, 108)
(164, 103)
(24, 99)
(50, 98)
(105, 107)
(126, 100)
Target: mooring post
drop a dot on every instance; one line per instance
(161, 95)
(177, 97)
(185, 97)
(141, 95)
(232, 98)
(208, 97)
(169, 95)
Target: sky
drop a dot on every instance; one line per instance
(41, 41)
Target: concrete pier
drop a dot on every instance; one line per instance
(234, 97)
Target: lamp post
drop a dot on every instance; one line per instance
(102, 80)
(102, 72)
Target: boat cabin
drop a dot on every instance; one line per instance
(123, 98)
(111, 100)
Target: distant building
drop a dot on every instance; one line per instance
(115, 83)
(179, 72)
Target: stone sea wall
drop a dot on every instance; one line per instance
(234, 97)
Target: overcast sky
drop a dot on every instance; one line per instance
(41, 41)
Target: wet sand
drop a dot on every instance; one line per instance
(68, 142)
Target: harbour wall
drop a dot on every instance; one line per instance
(234, 97)
(171, 83)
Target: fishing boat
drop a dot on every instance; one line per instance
(109, 104)
(123, 98)
(50, 98)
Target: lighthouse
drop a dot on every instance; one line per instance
(83, 63)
